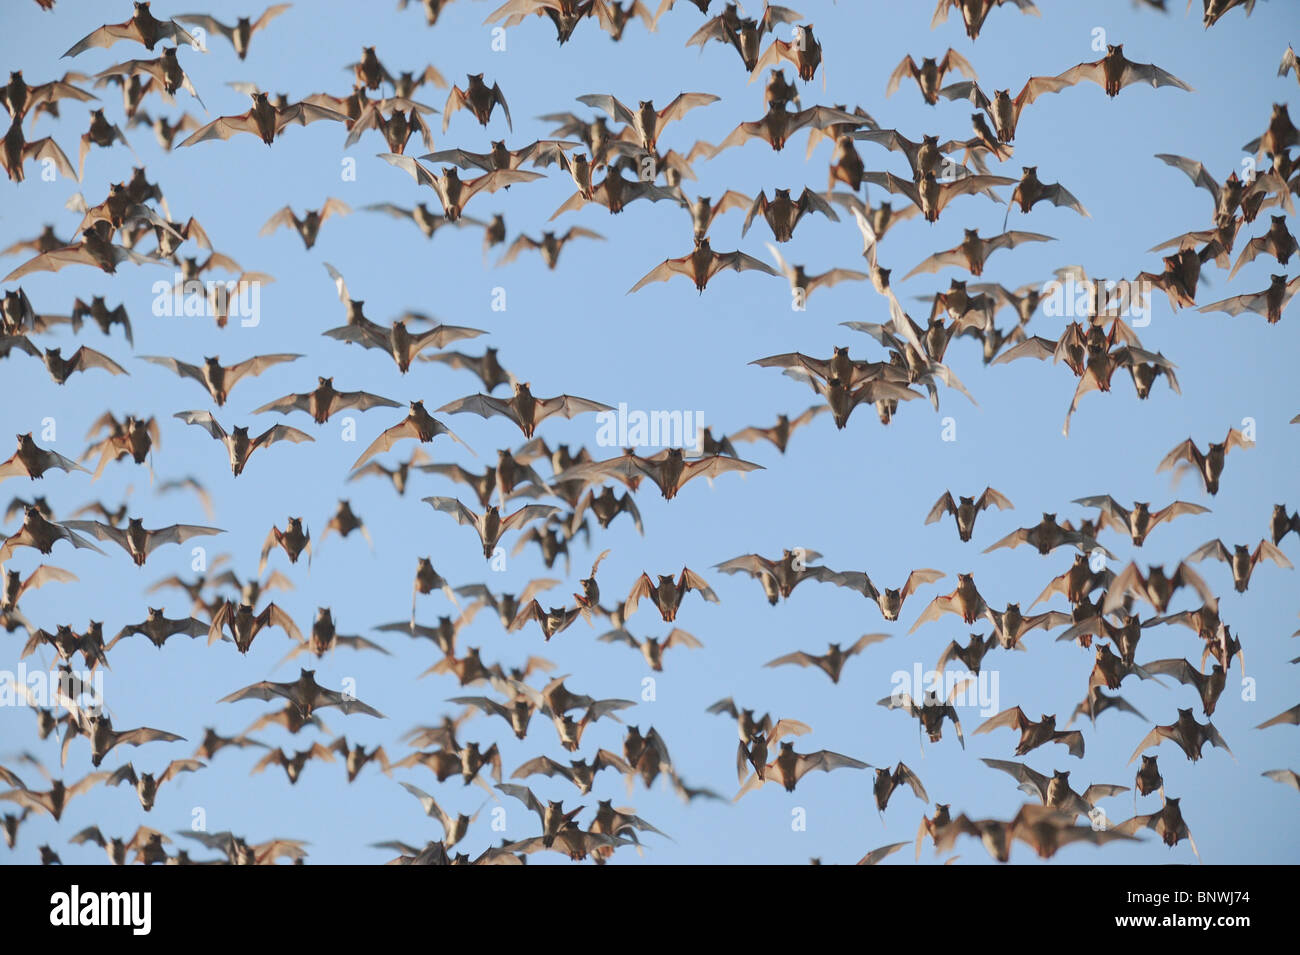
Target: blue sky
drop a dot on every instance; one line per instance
(859, 496)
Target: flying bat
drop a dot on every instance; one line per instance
(1030, 191)
(525, 410)
(929, 75)
(550, 245)
(32, 461)
(305, 694)
(973, 251)
(646, 123)
(1168, 823)
(700, 265)
(308, 227)
(41, 534)
(832, 662)
(1155, 586)
(965, 512)
(744, 34)
(1277, 242)
(1003, 109)
(146, 784)
(244, 625)
(964, 601)
(931, 196)
(1240, 559)
(789, 767)
(1141, 520)
(1209, 465)
(780, 577)
(418, 424)
(324, 401)
(401, 345)
(136, 540)
(669, 469)
(778, 124)
(803, 51)
(1270, 302)
(668, 594)
(55, 799)
(264, 120)
(18, 96)
(165, 69)
(783, 213)
(975, 12)
(614, 193)
(217, 379)
(454, 192)
(239, 446)
(241, 33)
(478, 98)
(1189, 735)
(159, 628)
(487, 367)
(779, 434)
(1115, 71)
(653, 648)
(491, 525)
(1033, 735)
(142, 27)
(930, 712)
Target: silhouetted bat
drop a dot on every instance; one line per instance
(1210, 464)
(966, 512)
(305, 694)
(242, 32)
(832, 662)
(1033, 735)
(1189, 735)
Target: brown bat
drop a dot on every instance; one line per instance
(606, 506)
(142, 27)
(102, 133)
(418, 424)
(832, 662)
(1033, 735)
(159, 628)
(965, 512)
(217, 379)
(973, 251)
(264, 120)
(615, 192)
(1030, 191)
(239, 446)
(15, 585)
(294, 764)
(525, 410)
(778, 124)
(965, 600)
(1232, 195)
(244, 625)
(507, 606)
(1240, 559)
(889, 601)
(491, 525)
(971, 656)
(402, 345)
(1168, 823)
(1010, 625)
(789, 767)
(1189, 735)
(931, 196)
(1288, 777)
(802, 285)
(653, 648)
(704, 210)
(146, 784)
(486, 366)
(702, 264)
(95, 248)
(929, 75)
(1115, 71)
(668, 593)
(1280, 524)
(550, 245)
(293, 540)
(744, 34)
(1141, 520)
(975, 12)
(1155, 586)
(1003, 109)
(645, 123)
(1277, 242)
(780, 577)
(324, 401)
(397, 128)
(552, 621)
(1270, 302)
(308, 227)
(325, 638)
(930, 712)
(803, 51)
(1208, 686)
(1046, 536)
(579, 772)
(241, 33)
(60, 368)
(1178, 281)
(18, 96)
(454, 192)
(1278, 138)
(783, 214)
(778, 434)
(136, 540)
(1054, 791)
(1208, 465)
(305, 694)
(52, 801)
(1148, 779)
(1040, 827)
(41, 534)
(669, 469)
(165, 70)
(356, 758)
(98, 728)
(32, 461)
(478, 98)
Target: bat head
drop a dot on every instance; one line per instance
(323, 615)
(972, 235)
(241, 433)
(1115, 50)
(966, 580)
(135, 524)
(1061, 777)
(155, 613)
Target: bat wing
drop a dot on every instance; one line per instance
(1157, 736)
(1013, 718)
(1152, 74)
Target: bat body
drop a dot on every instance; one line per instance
(1209, 464)
(701, 264)
(966, 509)
(239, 445)
(1033, 734)
(1115, 71)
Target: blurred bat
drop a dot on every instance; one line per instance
(239, 35)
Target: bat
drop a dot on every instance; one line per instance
(1043, 829)
(294, 764)
(931, 196)
(264, 120)
(32, 461)
(965, 601)
(15, 585)
(668, 594)
(41, 534)
(1277, 242)
(614, 193)
(1141, 520)
(1189, 735)
(242, 32)
(1280, 524)
(832, 662)
(454, 192)
(700, 265)
(975, 12)
(524, 409)
(1003, 109)
(1033, 735)
(1208, 686)
(1115, 71)
(18, 96)
(969, 508)
(887, 781)
(803, 285)
(744, 34)
(930, 712)
(669, 470)
(783, 214)
(490, 525)
(929, 75)
(1046, 536)
(418, 424)
(1270, 303)
(778, 124)
(217, 379)
(478, 99)
(1155, 587)
(802, 51)
(139, 542)
(606, 506)
(1168, 823)
(244, 625)
(1240, 559)
(550, 245)
(308, 227)
(1209, 465)
(1010, 625)
(146, 784)
(1030, 191)
(159, 628)
(401, 345)
(973, 251)
(789, 767)
(165, 70)
(54, 800)
(239, 445)
(304, 694)
(325, 401)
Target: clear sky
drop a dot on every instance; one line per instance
(858, 496)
